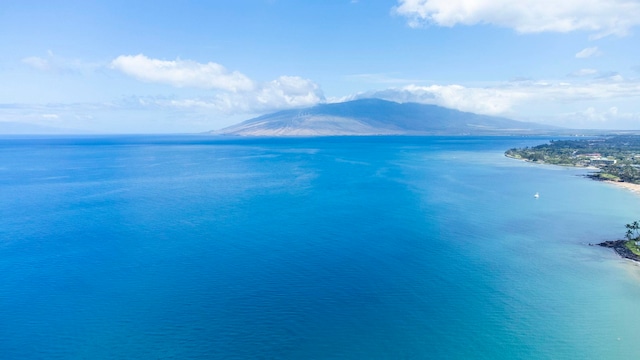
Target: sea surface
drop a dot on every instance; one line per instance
(196, 247)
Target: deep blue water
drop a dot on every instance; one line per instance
(323, 248)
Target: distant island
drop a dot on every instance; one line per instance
(616, 157)
(381, 117)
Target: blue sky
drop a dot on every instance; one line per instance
(191, 66)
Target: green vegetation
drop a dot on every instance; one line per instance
(617, 157)
(631, 245)
(633, 237)
(607, 176)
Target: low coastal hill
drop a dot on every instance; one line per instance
(380, 117)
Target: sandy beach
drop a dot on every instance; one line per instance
(635, 188)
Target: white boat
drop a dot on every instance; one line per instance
(536, 195)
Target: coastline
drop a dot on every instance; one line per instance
(618, 246)
(634, 188)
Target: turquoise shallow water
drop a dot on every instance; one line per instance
(326, 248)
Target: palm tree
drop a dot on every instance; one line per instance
(633, 231)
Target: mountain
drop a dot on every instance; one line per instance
(379, 117)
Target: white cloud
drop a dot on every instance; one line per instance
(490, 101)
(288, 91)
(588, 52)
(236, 93)
(505, 98)
(594, 103)
(604, 17)
(182, 73)
(283, 93)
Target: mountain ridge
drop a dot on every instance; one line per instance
(379, 117)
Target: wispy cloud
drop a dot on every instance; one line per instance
(235, 92)
(57, 64)
(492, 101)
(231, 93)
(49, 114)
(583, 72)
(592, 117)
(38, 63)
(283, 93)
(612, 76)
(182, 73)
(501, 99)
(601, 100)
(602, 17)
(588, 52)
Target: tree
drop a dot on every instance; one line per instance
(633, 231)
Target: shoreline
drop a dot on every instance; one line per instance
(634, 188)
(619, 247)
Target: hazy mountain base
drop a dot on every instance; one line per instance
(380, 117)
(310, 125)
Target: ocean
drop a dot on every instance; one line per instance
(196, 247)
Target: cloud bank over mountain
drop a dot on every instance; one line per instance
(509, 98)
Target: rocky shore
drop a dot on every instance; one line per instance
(619, 247)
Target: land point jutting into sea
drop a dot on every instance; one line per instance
(617, 157)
